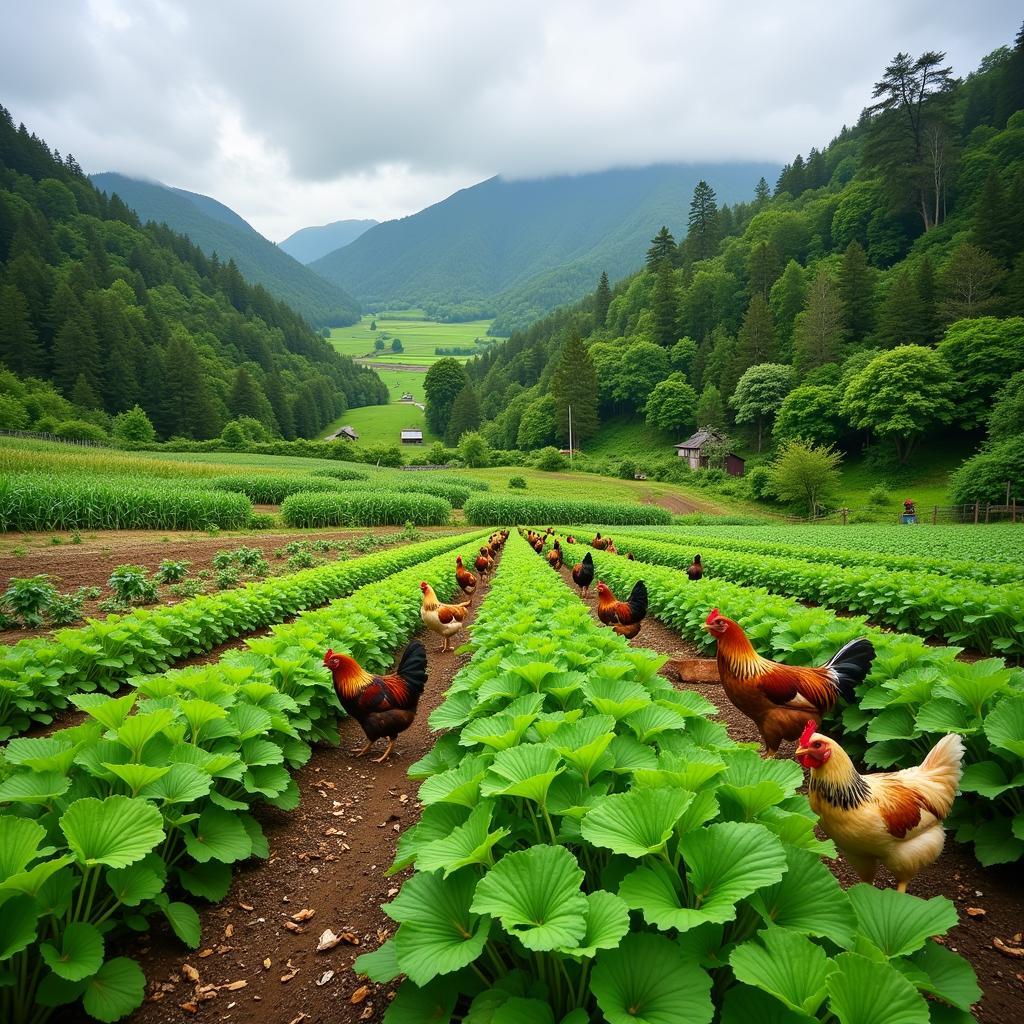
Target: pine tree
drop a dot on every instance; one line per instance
(76, 351)
(664, 305)
(857, 291)
(465, 415)
(762, 193)
(818, 334)
(602, 300)
(574, 383)
(993, 230)
(756, 340)
(120, 384)
(245, 398)
(764, 266)
(702, 237)
(189, 405)
(20, 350)
(928, 295)
(789, 294)
(903, 314)
(274, 389)
(662, 250)
(710, 408)
(83, 394)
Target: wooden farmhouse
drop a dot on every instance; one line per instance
(412, 436)
(692, 449)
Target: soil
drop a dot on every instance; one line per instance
(328, 856)
(996, 891)
(90, 563)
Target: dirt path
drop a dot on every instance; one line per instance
(997, 891)
(329, 855)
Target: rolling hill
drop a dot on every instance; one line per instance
(517, 249)
(308, 244)
(216, 228)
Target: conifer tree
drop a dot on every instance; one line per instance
(789, 294)
(20, 350)
(764, 266)
(928, 295)
(602, 300)
(662, 250)
(245, 398)
(818, 334)
(762, 193)
(903, 314)
(993, 230)
(189, 405)
(702, 237)
(664, 305)
(710, 408)
(83, 394)
(574, 383)
(857, 290)
(76, 351)
(465, 415)
(275, 392)
(756, 340)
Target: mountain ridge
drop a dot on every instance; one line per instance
(310, 243)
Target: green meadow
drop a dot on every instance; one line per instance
(419, 338)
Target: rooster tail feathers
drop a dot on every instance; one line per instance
(851, 664)
(587, 560)
(638, 600)
(413, 667)
(946, 755)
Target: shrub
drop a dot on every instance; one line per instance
(627, 469)
(65, 609)
(134, 426)
(517, 483)
(171, 571)
(28, 598)
(879, 496)
(131, 586)
(983, 477)
(494, 510)
(385, 508)
(759, 482)
(80, 430)
(549, 459)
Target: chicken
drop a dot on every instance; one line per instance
(465, 579)
(601, 543)
(781, 699)
(444, 619)
(583, 574)
(483, 561)
(382, 705)
(555, 556)
(695, 570)
(570, 539)
(625, 617)
(890, 818)
(629, 556)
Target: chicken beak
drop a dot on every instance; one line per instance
(802, 751)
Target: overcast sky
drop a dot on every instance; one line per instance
(295, 112)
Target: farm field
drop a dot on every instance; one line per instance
(382, 424)
(565, 797)
(419, 339)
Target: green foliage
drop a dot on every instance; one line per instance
(80, 430)
(810, 412)
(131, 585)
(28, 599)
(442, 385)
(474, 450)
(760, 393)
(1006, 419)
(517, 483)
(171, 570)
(806, 473)
(710, 410)
(133, 426)
(493, 510)
(384, 508)
(549, 459)
(672, 406)
(465, 415)
(537, 428)
(574, 385)
(984, 476)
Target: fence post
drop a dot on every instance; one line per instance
(977, 506)
(935, 514)
(845, 511)
(988, 505)
(1013, 511)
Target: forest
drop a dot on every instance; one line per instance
(872, 300)
(103, 319)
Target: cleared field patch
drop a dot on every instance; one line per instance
(419, 339)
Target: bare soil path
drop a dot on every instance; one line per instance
(329, 856)
(998, 892)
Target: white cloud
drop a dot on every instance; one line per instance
(306, 112)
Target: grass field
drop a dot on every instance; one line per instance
(419, 339)
(381, 424)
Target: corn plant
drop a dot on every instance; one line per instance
(359, 508)
(497, 509)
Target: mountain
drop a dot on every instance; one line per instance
(308, 244)
(116, 313)
(216, 228)
(517, 249)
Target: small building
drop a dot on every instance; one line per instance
(407, 397)
(692, 449)
(345, 433)
(412, 436)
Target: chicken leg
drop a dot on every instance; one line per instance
(378, 760)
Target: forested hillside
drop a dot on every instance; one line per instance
(517, 249)
(875, 297)
(217, 229)
(308, 244)
(116, 314)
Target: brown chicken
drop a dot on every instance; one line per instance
(601, 543)
(890, 818)
(583, 574)
(555, 556)
(483, 562)
(695, 570)
(781, 699)
(382, 705)
(444, 619)
(625, 617)
(465, 579)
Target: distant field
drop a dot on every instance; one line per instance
(419, 338)
(380, 424)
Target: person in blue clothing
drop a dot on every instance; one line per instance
(909, 516)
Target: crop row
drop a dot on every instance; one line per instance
(983, 572)
(989, 618)
(36, 501)
(39, 674)
(363, 508)
(592, 844)
(272, 489)
(950, 549)
(913, 695)
(122, 819)
(497, 509)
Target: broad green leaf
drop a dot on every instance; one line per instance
(139, 729)
(746, 1005)
(616, 697)
(211, 880)
(950, 977)
(808, 900)
(30, 882)
(111, 712)
(457, 785)
(34, 787)
(199, 713)
(635, 823)
(631, 755)
(440, 932)
(44, 754)
(786, 965)
(1004, 725)
(527, 771)
(607, 923)
(436, 822)
(18, 919)
(138, 882)
(653, 720)
(137, 776)
(989, 779)
(996, 843)
(219, 835)
(536, 896)
(269, 780)
(80, 953)
(114, 832)
(469, 843)
(432, 1004)
(583, 742)
(184, 921)
(182, 784)
(249, 721)
(19, 841)
(898, 923)
(648, 980)
(114, 990)
(381, 965)
(863, 992)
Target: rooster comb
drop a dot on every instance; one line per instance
(809, 730)
(711, 618)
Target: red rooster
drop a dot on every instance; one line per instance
(382, 705)
(465, 579)
(625, 617)
(782, 699)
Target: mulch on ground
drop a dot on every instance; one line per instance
(996, 892)
(328, 856)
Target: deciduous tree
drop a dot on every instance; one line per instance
(759, 393)
(804, 472)
(442, 383)
(672, 406)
